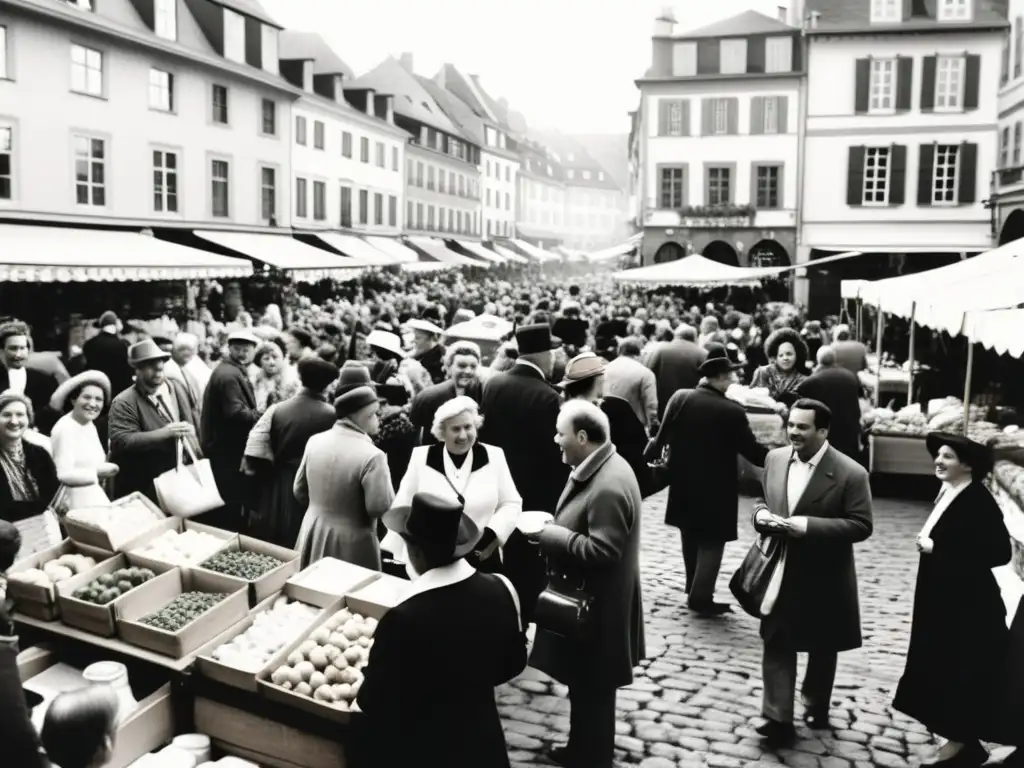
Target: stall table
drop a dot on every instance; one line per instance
(894, 382)
(899, 455)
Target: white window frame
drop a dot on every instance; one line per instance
(886, 11)
(684, 60)
(226, 181)
(86, 70)
(778, 54)
(955, 10)
(272, 188)
(161, 189)
(946, 172)
(7, 139)
(720, 124)
(263, 117)
(950, 77)
(732, 56)
(161, 90)
(3, 52)
(770, 114)
(226, 105)
(876, 185)
(165, 19)
(91, 185)
(882, 86)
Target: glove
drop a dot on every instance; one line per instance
(485, 554)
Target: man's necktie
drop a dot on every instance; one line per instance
(163, 405)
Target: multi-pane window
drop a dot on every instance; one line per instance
(300, 130)
(778, 54)
(6, 162)
(877, 164)
(886, 10)
(269, 117)
(767, 186)
(451, 182)
(381, 155)
(364, 206)
(86, 70)
(220, 104)
(949, 82)
(451, 219)
(954, 10)
(1004, 147)
(419, 215)
(392, 211)
(675, 118)
(1016, 143)
(318, 134)
(268, 193)
(882, 92)
(3, 52)
(771, 114)
(165, 181)
(378, 209)
(165, 19)
(161, 90)
(719, 186)
(346, 206)
(301, 202)
(364, 150)
(945, 175)
(346, 144)
(508, 202)
(672, 193)
(394, 158)
(319, 200)
(430, 218)
(219, 188)
(721, 116)
(90, 171)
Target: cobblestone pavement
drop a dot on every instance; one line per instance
(696, 699)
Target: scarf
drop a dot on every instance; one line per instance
(23, 486)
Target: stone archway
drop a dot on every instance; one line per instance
(669, 252)
(722, 252)
(1013, 227)
(769, 253)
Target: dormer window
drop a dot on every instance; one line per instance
(165, 19)
(234, 36)
(954, 10)
(886, 11)
(733, 57)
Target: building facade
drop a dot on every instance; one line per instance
(595, 206)
(717, 142)
(164, 112)
(901, 135)
(541, 194)
(1007, 183)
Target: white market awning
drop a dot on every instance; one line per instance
(617, 251)
(356, 248)
(303, 262)
(534, 252)
(695, 271)
(63, 255)
(850, 289)
(508, 254)
(482, 251)
(946, 308)
(437, 250)
(394, 248)
(999, 330)
(481, 328)
(427, 266)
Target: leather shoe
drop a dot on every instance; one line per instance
(561, 755)
(777, 735)
(710, 608)
(817, 720)
(971, 755)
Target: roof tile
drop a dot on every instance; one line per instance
(310, 46)
(411, 98)
(856, 14)
(746, 23)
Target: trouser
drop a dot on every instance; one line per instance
(591, 726)
(702, 560)
(778, 668)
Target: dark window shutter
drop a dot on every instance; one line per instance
(734, 116)
(782, 110)
(862, 86)
(904, 82)
(855, 177)
(928, 84)
(898, 175)
(757, 115)
(755, 54)
(972, 81)
(686, 117)
(753, 185)
(925, 174)
(968, 173)
(663, 111)
(707, 117)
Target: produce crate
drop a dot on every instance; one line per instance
(271, 582)
(374, 599)
(237, 678)
(179, 525)
(900, 455)
(41, 602)
(95, 537)
(98, 619)
(329, 577)
(155, 594)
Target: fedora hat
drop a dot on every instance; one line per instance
(145, 351)
(98, 378)
(717, 361)
(536, 338)
(970, 452)
(353, 375)
(354, 400)
(437, 525)
(387, 341)
(586, 365)
(415, 324)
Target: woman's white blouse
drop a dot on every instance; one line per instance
(77, 451)
(491, 498)
(946, 496)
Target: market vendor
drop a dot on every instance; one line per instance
(784, 372)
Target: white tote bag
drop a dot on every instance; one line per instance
(188, 489)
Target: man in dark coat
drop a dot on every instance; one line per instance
(850, 353)
(229, 412)
(820, 501)
(520, 409)
(428, 350)
(428, 690)
(705, 432)
(37, 386)
(839, 389)
(108, 352)
(676, 365)
(461, 361)
(146, 421)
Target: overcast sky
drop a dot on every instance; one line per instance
(566, 64)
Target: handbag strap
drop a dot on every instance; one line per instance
(515, 599)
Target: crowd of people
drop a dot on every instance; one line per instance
(348, 428)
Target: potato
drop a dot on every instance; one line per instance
(353, 654)
(324, 693)
(339, 641)
(318, 658)
(340, 662)
(343, 692)
(364, 642)
(280, 675)
(294, 676)
(305, 669)
(332, 652)
(306, 647)
(350, 675)
(295, 658)
(317, 679)
(287, 685)
(303, 689)
(320, 636)
(332, 674)
(343, 615)
(342, 705)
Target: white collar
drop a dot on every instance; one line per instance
(109, 329)
(436, 578)
(535, 367)
(815, 459)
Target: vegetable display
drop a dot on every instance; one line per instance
(186, 548)
(111, 586)
(123, 522)
(328, 665)
(270, 631)
(55, 571)
(243, 565)
(182, 610)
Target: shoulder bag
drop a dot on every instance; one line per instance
(188, 489)
(565, 608)
(754, 585)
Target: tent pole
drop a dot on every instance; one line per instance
(910, 361)
(860, 319)
(967, 384)
(878, 353)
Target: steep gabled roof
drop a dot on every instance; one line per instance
(746, 23)
(311, 47)
(411, 98)
(460, 113)
(450, 78)
(249, 8)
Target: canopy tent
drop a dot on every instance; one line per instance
(945, 308)
(438, 251)
(850, 289)
(394, 248)
(535, 253)
(618, 251)
(427, 266)
(481, 328)
(481, 251)
(356, 248)
(700, 272)
(303, 262)
(998, 330)
(508, 254)
(36, 254)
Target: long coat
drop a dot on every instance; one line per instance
(839, 389)
(108, 352)
(229, 411)
(676, 365)
(596, 537)
(630, 439)
(817, 608)
(520, 410)
(705, 433)
(959, 638)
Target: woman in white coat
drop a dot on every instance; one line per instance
(463, 470)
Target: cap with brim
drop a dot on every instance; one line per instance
(98, 378)
(582, 367)
(415, 324)
(387, 341)
(244, 336)
(353, 375)
(145, 351)
(717, 361)
(354, 400)
(435, 524)
(970, 452)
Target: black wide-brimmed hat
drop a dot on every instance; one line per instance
(977, 456)
(717, 361)
(536, 338)
(437, 525)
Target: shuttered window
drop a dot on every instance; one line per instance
(778, 55)
(719, 117)
(733, 57)
(673, 117)
(877, 175)
(684, 59)
(769, 114)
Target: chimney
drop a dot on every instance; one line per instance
(796, 13)
(406, 60)
(815, 16)
(665, 23)
(783, 14)
(391, 110)
(370, 106)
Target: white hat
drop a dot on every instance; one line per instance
(426, 326)
(244, 335)
(387, 341)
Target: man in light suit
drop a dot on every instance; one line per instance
(820, 501)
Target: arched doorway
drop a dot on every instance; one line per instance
(669, 252)
(1013, 228)
(769, 253)
(722, 252)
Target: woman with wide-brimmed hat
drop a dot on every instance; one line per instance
(77, 451)
(959, 638)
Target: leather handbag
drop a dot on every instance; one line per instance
(188, 489)
(754, 582)
(564, 608)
